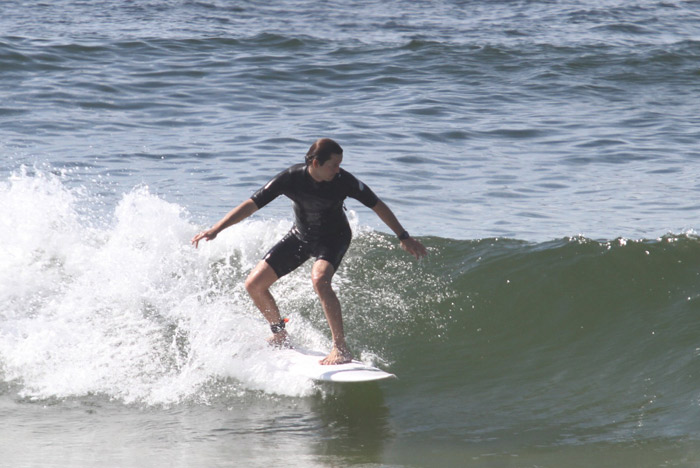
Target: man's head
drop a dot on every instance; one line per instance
(321, 150)
(323, 159)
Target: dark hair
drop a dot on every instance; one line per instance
(322, 149)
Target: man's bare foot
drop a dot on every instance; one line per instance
(337, 356)
(280, 340)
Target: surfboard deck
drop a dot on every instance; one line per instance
(306, 362)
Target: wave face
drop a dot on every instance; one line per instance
(599, 338)
(491, 335)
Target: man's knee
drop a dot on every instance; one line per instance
(321, 277)
(252, 286)
(321, 283)
(260, 279)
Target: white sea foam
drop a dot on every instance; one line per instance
(130, 309)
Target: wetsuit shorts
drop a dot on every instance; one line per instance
(291, 252)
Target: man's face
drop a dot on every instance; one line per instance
(328, 170)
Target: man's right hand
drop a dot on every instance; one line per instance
(208, 235)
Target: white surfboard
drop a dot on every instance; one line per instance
(306, 363)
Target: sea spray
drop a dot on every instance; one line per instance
(129, 310)
(123, 305)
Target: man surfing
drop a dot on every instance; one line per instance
(317, 189)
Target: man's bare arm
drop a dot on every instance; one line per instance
(410, 245)
(234, 216)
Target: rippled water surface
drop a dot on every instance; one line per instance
(521, 119)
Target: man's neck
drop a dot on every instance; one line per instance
(311, 172)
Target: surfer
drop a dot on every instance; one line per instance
(317, 189)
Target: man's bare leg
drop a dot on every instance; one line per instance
(321, 276)
(258, 286)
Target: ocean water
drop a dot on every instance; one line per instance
(546, 153)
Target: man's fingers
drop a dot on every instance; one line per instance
(419, 250)
(415, 248)
(195, 240)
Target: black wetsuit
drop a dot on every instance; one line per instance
(321, 228)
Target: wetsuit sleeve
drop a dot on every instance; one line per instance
(359, 191)
(273, 189)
